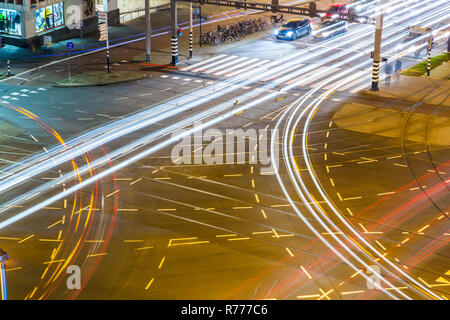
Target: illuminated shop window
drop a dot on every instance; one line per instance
(10, 22)
(49, 17)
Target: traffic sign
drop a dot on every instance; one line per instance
(70, 45)
(104, 32)
(102, 17)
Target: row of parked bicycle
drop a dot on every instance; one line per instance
(234, 32)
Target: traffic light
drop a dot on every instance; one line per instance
(180, 32)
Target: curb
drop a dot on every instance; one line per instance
(57, 85)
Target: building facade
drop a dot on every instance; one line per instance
(27, 22)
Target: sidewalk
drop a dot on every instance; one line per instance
(409, 87)
(385, 112)
(23, 59)
(100, 78)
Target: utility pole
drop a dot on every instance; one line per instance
(148, 32)
(377, 52)
(174, 39)
(191, 34)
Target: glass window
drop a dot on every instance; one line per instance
(58, 14)
(10, 22)
(49, 17)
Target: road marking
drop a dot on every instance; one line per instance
(400, 165)
(135, 181)
(207, 67)
(352, 292)
(353, 198)
(112, 193)
(161, 263)
(279, 205)
(149, 284)
(306, 272)
(144, 248)
(421, 230)
(290, 252)
(54, 224)
(253, 66)
(261, 232)
(171, 244)
(325, 294)
(9, 238)
(385, 193)
(13, 269)
(308, 296)
(243, 238)
(264, 214)
(382, 247)
(238, 66)
(96, 255)
(29, 237)
(195, 65)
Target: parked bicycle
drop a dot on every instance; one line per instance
(277, 20)
(234, 32)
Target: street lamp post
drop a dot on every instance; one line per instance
(3, 257)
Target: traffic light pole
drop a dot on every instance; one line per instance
(148, 32)
(430, 45)
(174, 39)
(377, 53)
(200, 10)
(105, 8)
(191, 34)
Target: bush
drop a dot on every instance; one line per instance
(421, 68)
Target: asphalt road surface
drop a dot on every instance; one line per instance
(356, 190)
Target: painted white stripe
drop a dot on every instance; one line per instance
(330, 71)
(365, 85)
(246, 69)
(237, 66)
(277, 75)
(222, 66)
(307, 75)
(195, 65)
(351, 84)
(207, 67)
